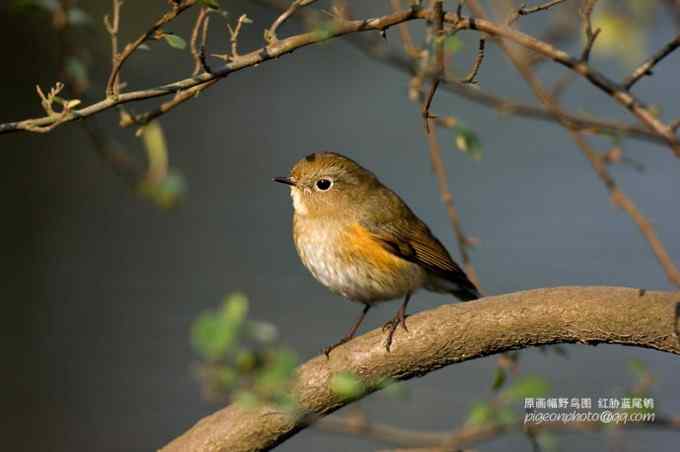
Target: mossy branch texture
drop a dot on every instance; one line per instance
(447, 335)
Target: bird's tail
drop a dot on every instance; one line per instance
(466, 290)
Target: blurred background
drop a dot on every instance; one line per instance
(100, 286)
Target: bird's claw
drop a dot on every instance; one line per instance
(391, 327)
(327, 351)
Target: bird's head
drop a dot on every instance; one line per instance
(327, 183)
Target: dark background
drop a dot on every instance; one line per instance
(99, 287)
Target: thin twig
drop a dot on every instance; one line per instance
(599, 166)
(524, 11)
(471, 78)
(112, 25)
(200, 32)
(496, 31)
(112, 88)
(270, 33)
(435, 148)
(646, 67)
(586, 17)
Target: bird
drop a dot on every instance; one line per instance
(358, 238)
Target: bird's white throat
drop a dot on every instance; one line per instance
(298, 203)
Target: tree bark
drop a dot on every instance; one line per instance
(446, 335)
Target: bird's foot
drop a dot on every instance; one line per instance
(327, 350)
(391, 327)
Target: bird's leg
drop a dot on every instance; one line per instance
(399, 319)
(350, 334)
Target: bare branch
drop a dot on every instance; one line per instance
(599, 166)
(199, 36)
(586, 17)
(471, 78)
(270, 34)
(646, 67)
(112, 25)
(524, 11)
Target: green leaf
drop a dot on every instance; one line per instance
(169, 192)
(246, 399)
(175, 41)
(227, 377)
(274, 379)
(209, 336)
(347, 385)
(499, 378)
(214, 334)
(245, 361)
(480, 414)
(453, 44)
(212, 4)
(76, 70)
(638, 368)
(235, 309)
(468, 142)
(77, 17)
(529, 386)
(505, 416)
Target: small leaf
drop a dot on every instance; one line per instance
(235, 309)
(76, 70)
(71, 104)
(167, 193)
(468, 142)
(529, 386)
(499, 378)
(78, 17)
(480, 414)
(346, 385)
(245, 361)
(212, 4)
(453, 44)
(175, 41)
(227, 377)
(506, 416)
(156, 151)
(214, 334)
(209, 336)
(639, 369)
(246, 400)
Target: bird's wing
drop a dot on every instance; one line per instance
(403, 234)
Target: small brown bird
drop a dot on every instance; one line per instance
(359, 239)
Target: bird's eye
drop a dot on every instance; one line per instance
(324, 184)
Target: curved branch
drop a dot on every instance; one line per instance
(444, 336)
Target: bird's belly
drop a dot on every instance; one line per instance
(354, 267)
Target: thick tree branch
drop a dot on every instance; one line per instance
(444, 336)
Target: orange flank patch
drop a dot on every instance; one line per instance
(361, 245)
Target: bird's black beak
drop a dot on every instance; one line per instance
(284, 180)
